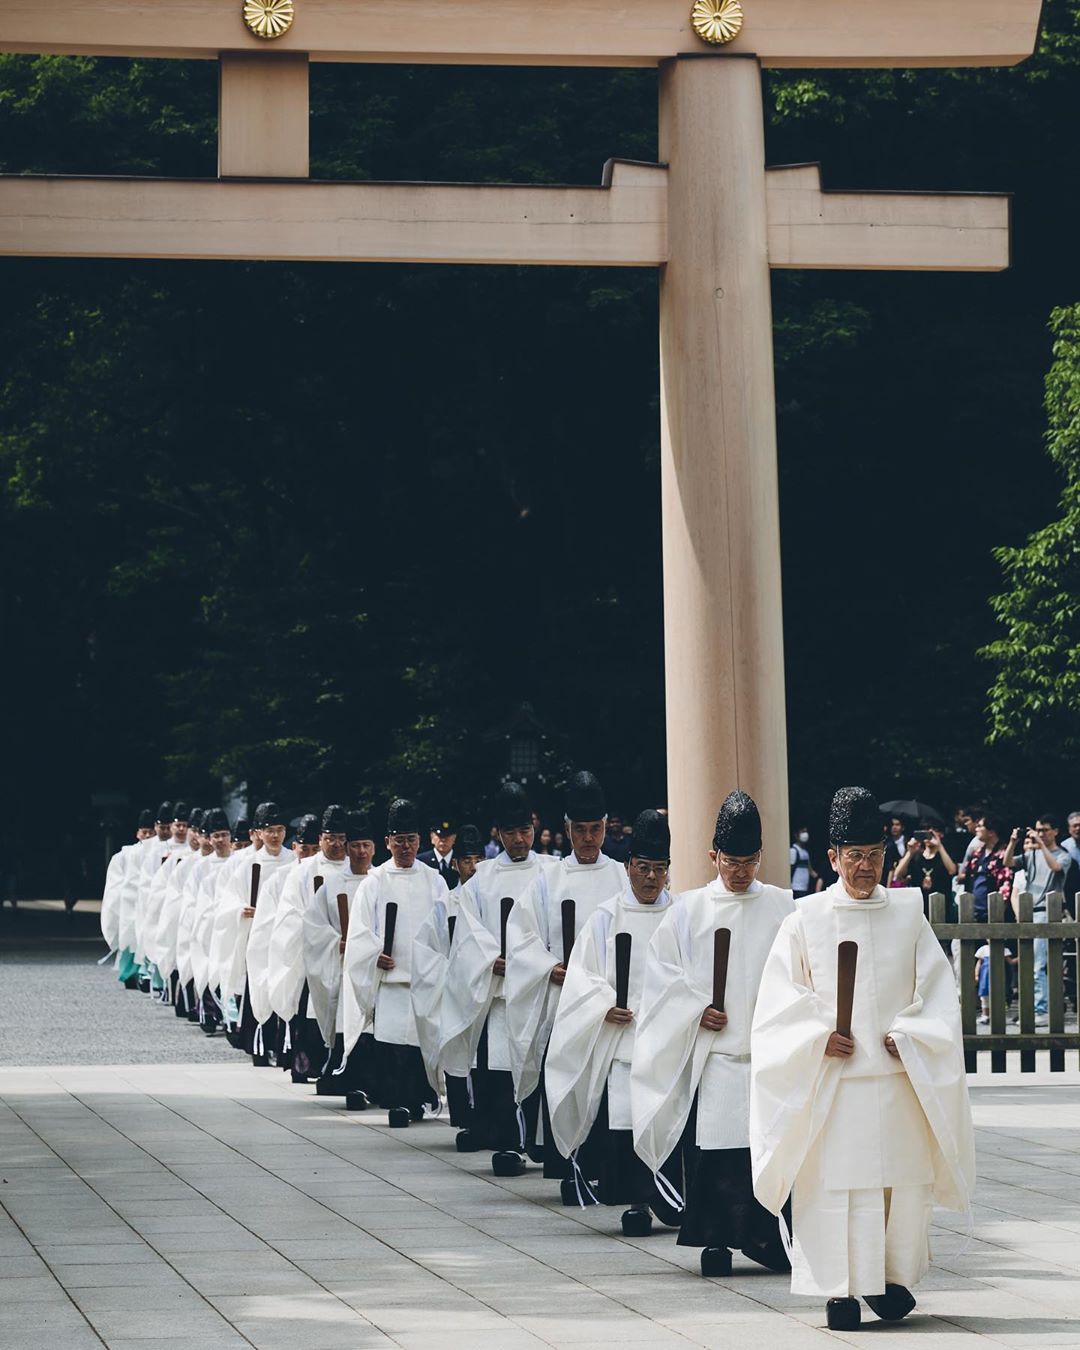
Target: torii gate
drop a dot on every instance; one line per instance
(710, 216)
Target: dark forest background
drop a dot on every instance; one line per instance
(326, 528)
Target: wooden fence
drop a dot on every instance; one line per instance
(1005, 937)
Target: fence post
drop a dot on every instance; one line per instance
(998, 1000)
(969, 994)
(1026, 970)
(1055, 979)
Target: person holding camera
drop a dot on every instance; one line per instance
(1045, 865)
(926, 863)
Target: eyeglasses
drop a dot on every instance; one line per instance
(739, 864)
(405, 839)
(644, 869)
(858, 855)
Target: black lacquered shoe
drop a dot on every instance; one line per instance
(466, 1142)
(843, 1314)
(636, 1223)
(715, 1261)
(398, 1117)
(893, 1305)
(507, 1163)
(357, 1101)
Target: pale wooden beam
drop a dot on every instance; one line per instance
(620, 224)
(539, 32)
(263, 114)
(902, 231)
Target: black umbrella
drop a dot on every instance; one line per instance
(912, 810)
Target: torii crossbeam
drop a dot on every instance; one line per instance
(710, 216)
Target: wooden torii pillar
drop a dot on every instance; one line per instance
(711, 217)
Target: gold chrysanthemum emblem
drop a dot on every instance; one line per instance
(716, 21)
(269, 18)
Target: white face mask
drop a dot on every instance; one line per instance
(804, 838)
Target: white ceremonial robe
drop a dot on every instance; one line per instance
(865, 1145)
(185, 915)
(229, 941)
(323, 957)
(674, 1056)
(534, 946)
(473, 994)
(384, 997)
(161, 944)
(151, 882)
(587, 1054)
(257, 953)
(211, 875)
(129, 892)
(285, 960)
(430, 966)
(111, 897)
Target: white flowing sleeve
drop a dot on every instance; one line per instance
(468, 990)
(792, 1084)
(230, 931)
(582, 1043)
(670, 1046)
(430, 962)
(531, 998)
(285, 962)
(321, 940)
(361, 976)
(931, 1044)
(110, 901)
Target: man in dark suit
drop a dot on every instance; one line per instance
(441, 853)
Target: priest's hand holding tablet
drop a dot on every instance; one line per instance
(839, 1047)
(385, 962)
(499, 966)
(712, 1019)
(248, 912)
(890, 1045)
(558, 973)
(620, 1017)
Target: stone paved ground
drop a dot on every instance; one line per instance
(209, 1206)
(212, 1205)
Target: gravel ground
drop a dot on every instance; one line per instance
(57, 1006)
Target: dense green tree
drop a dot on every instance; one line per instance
(1036, 694)
(265, 521)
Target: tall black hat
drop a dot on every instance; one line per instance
(403, 817)
(470, 843)
(333, 820)
(242, 829)
(182, 812)
(146, 819)
(165, 813)
(512, 808)
(359, 824)
(267, 814)
(215, 819)
(195, 818)
(307, 832)
(738, 826)
(652, 837)
(585, 797)
(854, 817)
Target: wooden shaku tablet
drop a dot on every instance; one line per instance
(569, 923)
(389, 924)
(623, 943)
(506, 904)
(343, 915)
(256, 873)
(721, 953)
(847, 958)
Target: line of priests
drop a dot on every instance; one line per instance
(682, 1056)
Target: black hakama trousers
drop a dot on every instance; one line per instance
(721, 1210)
